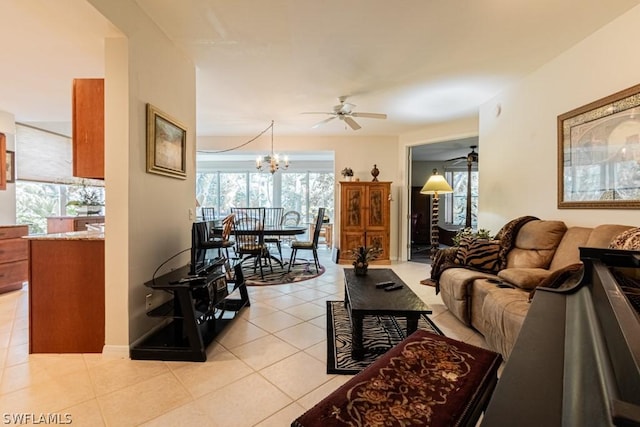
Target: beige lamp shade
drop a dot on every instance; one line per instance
(436, 184)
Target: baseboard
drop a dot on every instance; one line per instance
(116, 351)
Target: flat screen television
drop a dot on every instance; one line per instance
(200, 262)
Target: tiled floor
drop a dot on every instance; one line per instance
(267, 368)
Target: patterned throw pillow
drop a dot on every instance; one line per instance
(627, 240)
(478, 254)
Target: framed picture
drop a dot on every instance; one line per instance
(166, 144)
(3, 162)
(599, 153)
(11, 167)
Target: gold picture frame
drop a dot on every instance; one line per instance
(11, 167)
(166, 144)
(599, 153)
(3, 162)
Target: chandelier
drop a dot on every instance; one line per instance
(272, 160)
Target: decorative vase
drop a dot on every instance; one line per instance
(360, 269)
(375, 172)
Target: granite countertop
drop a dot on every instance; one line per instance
(71, 235)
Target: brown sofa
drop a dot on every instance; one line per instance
(541, 247)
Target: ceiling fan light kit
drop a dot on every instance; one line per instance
(344, 111)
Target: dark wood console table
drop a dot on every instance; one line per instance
(199, 310)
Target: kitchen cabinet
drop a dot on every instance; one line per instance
(64, 224)
(13, 257)
(66, 293)
(88, 128)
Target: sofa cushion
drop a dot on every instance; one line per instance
(536, 244)
(602, 235)
(568, 251)
(504, 313)
(524, 278)
(627, 240)
(478, 254)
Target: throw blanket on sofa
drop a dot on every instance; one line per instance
(446, 258)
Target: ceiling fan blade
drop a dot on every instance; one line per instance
(352, 123)
(370, 115)
(323, 122)
(455, 159)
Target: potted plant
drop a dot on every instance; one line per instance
(362, 256)
(87, 201)
(347, 174)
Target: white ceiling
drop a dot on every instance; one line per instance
(418, 61)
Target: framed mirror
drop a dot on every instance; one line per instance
(599, 153)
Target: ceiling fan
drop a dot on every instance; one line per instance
(470, 158)
(344, 111)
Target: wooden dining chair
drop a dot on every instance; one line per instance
(273, 219)
(224, 242)
(249, 236)
(311, 245)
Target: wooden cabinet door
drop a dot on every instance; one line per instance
(364, 217)
(88, 128)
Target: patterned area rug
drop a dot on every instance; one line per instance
(380, 334)
(302, 270)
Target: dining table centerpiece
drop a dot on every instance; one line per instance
(362, 256)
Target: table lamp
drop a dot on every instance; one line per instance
(436, 184)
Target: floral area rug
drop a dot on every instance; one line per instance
(380, 334)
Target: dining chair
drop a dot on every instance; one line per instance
(224, 241)
(290, 219)
(249, 236)
(273, 219)
(208, 214)
(312, 244)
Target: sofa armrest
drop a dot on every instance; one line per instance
(524, 278)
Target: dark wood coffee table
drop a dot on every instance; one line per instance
(362, 298)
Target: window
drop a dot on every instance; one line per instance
(45, 182)
(35, 201)
(303, 192)
(455, 204)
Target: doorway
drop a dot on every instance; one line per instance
(449, 159)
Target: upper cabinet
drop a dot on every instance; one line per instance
(88, 128)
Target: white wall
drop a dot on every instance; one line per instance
(359, 153)
(148, 215)
(8, 196)
(519, 147)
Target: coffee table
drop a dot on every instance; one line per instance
(362, 298)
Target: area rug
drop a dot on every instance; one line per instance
(380, 334)
(299, 272)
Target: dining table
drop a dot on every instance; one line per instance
(289, 230)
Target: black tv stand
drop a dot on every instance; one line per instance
(196, 314)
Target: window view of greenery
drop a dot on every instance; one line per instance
(303, 192)
(456, 203)
(35, 201)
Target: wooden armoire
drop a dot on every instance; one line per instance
(365, 218)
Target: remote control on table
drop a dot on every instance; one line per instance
(393, 288)
(384, 284)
